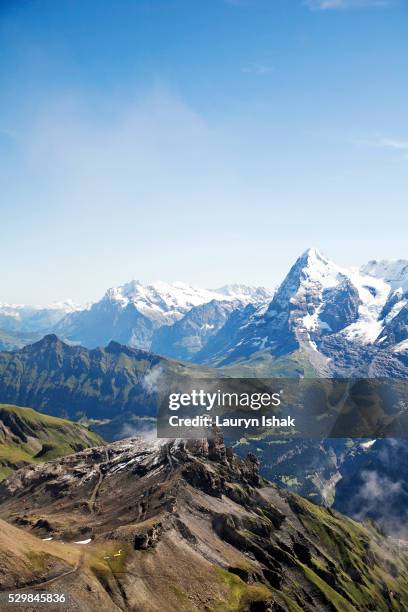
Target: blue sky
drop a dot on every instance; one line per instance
(209, 141)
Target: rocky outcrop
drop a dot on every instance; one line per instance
(340, 306)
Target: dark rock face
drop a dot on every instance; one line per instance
(216, 349)
(340, 306)
(213, 448)
(352, 359)
(396, 330)
(394, 298)
(148, 538)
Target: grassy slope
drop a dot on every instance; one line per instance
(27, 436)
(369, 567)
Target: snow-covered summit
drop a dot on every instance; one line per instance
(159, 299)
(393, 272)
(322, 297)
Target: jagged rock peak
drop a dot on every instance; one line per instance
(47, 342)
(212, 447)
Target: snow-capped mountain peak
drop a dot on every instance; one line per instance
(321, 297)
(313, 255)
(311, 271)
(245, 293)
(159, 299)
(65, 306)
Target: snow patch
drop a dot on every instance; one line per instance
(87, 541)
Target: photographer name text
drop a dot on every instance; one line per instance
(218, 421)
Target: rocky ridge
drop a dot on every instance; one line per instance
(189, 526)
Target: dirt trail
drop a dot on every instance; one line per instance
(44, 583)
(78, 565)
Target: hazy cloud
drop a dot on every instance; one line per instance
(394, 143)
(143, 429)
(398, 145)
(151, 379)
(326, 5)
(380, 491)
(257, 68)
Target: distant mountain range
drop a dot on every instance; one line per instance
(11, 340)
(327, 319)
(21, 324)
(25, 318)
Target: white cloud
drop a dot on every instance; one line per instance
(326, 5)
(151, 380)
(398, 145)
(393, 143)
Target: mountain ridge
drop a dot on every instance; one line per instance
(70, 381)
(197, 528)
